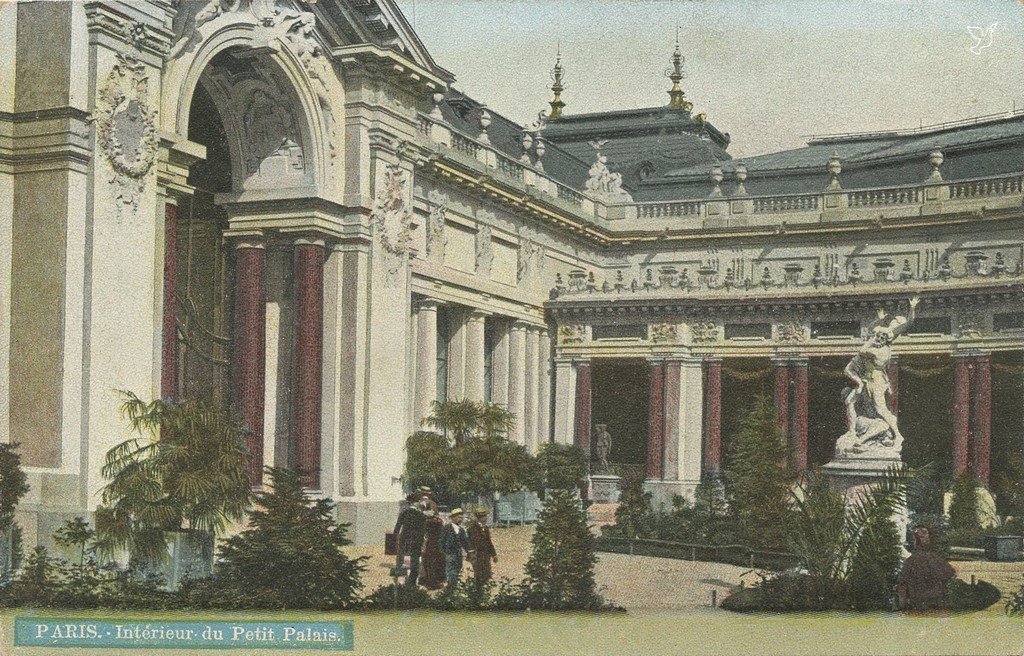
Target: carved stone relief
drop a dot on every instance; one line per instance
(126, 130)
(392, 216)
(792, 331)
(484, 250)
(704, 332)
(571, 334)
(664, 333)
(530, 258)
(436, 240)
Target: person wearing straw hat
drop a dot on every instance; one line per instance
(454, 541)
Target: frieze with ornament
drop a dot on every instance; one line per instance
(705, 332)
(664, 333)
(571, 334)
(790, 332)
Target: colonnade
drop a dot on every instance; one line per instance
(684, 422)
(480, 356)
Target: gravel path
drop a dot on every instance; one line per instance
(629, 581)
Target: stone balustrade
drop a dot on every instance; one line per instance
(931, 196)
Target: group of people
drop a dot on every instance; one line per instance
(423, 537)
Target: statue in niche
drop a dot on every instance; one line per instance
(602, 447)
(871, 424)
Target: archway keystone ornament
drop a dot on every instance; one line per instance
(126, 129)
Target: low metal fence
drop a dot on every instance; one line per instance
(732, 554)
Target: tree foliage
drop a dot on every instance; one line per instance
(471, 454)
(187, 468)
(289, 557)
(560, 467)
(560, 570)
(13, 483)
(757, 478)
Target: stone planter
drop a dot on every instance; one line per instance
(1003, 548)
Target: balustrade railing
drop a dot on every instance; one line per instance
(668, 210)
(899, 199)
(987, 187)
(772, 204)
(885, 196)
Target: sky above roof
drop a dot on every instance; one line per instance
(767, 72)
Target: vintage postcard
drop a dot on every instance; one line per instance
(511, 327)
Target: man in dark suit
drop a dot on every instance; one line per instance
(483, 547)
(409, 531)
(454, 541)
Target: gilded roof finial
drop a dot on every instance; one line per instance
(556, 75)
(677, 99)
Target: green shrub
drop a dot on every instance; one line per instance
(962, 596)
(288, 558)
(875, 566)
(401, 597)
(786, 592)
(634, 517)
(1015, 604)
(757, 478)
(560, 467)
(560, 570)
(964, 527)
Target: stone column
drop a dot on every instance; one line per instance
(670, 470)
(893, 372)
(517, 380)
(981, 417)
(544, 386)
(499, 364)
(798, 446)
(656, 421)
(426, 359)
(782, 396)
(249, 365)
(476, 344)
(713, 414)
(456, 354)
(961, 412)
(309, 335)
(530, 396)
(169, 346)
(565, 401)
(584, 384)
(691, 420)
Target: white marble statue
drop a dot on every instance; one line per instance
(872, 429)
(603, 446)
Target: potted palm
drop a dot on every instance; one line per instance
(171, 488)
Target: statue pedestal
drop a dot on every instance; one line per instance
(855, 476)
(604, 488)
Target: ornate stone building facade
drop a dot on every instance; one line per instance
(282, 206)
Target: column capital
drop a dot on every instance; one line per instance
(476, 314)
(255, 242)
(428, 304)
(970, 354)
(310, 241)
(518, 325)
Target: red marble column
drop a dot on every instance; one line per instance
(798, 446)
(309, 351)
(169, 345)
(782, 396)
(584, 385)
(981, 417)
(249, 354)
(961, 413)
(656, 422)
(712, 415)
(893, 371)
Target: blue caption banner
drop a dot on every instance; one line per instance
(157, 634)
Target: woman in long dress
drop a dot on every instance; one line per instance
(433, 558)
